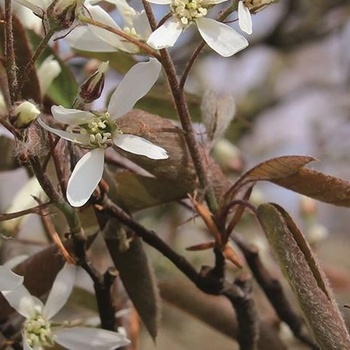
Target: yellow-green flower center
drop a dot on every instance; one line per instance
(188, 10)
(100, 130)
(38, 333)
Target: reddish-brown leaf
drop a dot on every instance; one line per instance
(270, 170)
(319, 186)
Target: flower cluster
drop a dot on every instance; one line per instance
(96, 131)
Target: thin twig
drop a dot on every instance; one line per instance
(11, 68)
(190, 63)
(142, 46)
(186, 123)
(30, 65)
(102, 286)
(17, 214)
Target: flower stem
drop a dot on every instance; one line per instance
(186, 123)
(40, 49)
(143, 47)
(190, 63)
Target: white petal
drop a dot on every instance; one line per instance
(73, 137)
(244, 18)
(60, 291)
(84, 338)
(85, 177)
(136, 83)
(220, 37)
(83, 38)
(71, 116)
(47, 72)
(22, 301)
(160, 2)
(38, 6)
(141, 24)
(125, 10)
(98, 14)
(138, 145)
(8, 279)
(13, 262)
(166, 35)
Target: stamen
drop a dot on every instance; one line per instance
(38, 333)
(189, 10)
(100, 130)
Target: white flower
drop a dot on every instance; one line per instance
(38, 332)
(98, 130)
(93, 38)
(219, 36)
(8, 279)
(244, 18)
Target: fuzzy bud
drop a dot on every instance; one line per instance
(23, 114)
(217, 113)
(92, 87)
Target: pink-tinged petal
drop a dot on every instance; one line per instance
(84, 338)
(138, 145)
(23, 302)
(76, 138)
(71, 116)
(83, 38)
(244, 18)
(85, 177)
(8, 279)
(136, 83)
(166, 35)
(220, 37)
(60, 291)
(160, 2)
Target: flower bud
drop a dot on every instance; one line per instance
(92, 87)
(61, 14)
(23, 113)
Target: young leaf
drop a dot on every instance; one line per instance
(305, 277)
(270, 170)
(319, 186)
(178, 166)
(136, 274)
